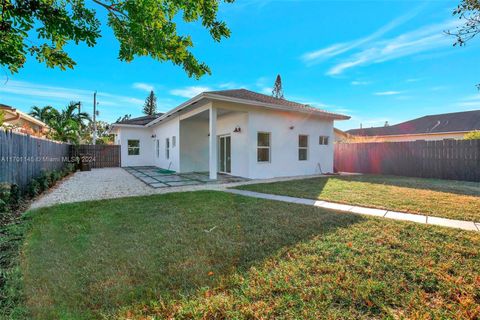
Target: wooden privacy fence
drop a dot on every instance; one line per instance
(23, 157)
(100, 155)
(445, 159)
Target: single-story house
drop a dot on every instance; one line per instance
(434, 127)
(237, 132)
(19, 121)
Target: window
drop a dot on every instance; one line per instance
(174, 141)
(157, 148)
(167, 148)
(323, 140)
(133, 147)
(302, 147)
(263, 147)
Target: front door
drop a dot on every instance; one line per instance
(225, 154)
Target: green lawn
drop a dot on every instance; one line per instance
(441, 198)
(213, 255)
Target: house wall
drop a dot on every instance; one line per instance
(284, 144)
(145, 158)
(167, 129)
(194, 145)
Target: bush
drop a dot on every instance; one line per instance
(33, 188)
(15, 196)
(43, 181)
(473, 135)
(4, 197)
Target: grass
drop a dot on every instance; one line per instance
(213, 255)
(441, 198)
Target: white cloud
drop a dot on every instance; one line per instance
(387, 93)
(58, 95)
(189, 92)
(360, 83)
(266, 90)
(469, 103)
(339, 48)
(143, 86)
(413, 80)
(407, 44)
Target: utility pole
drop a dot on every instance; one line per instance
(95, 117)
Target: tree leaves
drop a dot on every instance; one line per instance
(143, 28)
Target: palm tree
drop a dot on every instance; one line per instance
(67, 125)
(43, 114)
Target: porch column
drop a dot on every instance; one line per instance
(213, 143)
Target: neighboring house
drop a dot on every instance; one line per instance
(340, 135)
(19, 121)
(237, 132)
(434, 127)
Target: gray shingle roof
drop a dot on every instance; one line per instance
(447, 122)
(141, 121)
(254, 96)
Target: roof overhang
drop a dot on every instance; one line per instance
(23, 115)
(215, 97)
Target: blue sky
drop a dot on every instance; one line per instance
(376, 61)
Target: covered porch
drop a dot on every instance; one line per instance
(210, 141)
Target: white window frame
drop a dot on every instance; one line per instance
(133, 148)
(323, 140)
(269, 147)
(167, 148)
(302, 148)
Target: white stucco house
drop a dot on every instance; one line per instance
(237, 132)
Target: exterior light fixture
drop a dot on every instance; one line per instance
(154, 136)
(237, 129)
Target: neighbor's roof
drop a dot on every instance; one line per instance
(22, 115)
(140, 121)
(439, 123)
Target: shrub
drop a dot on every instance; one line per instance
(33, 188)
(15, 196)
(473, 135)
(4, 197)
(54, 177)
(43, 181)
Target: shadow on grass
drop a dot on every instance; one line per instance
(85, 259)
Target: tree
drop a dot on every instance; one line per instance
(125, 117)
(143, 28)
(67, 125)
(43, 114)
(150, 106)
(469, 11)
(472, 135)
(277, 88)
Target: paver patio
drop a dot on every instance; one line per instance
(161, 178)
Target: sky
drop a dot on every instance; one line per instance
(375, 61)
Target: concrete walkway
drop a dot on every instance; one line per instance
(419, 218)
